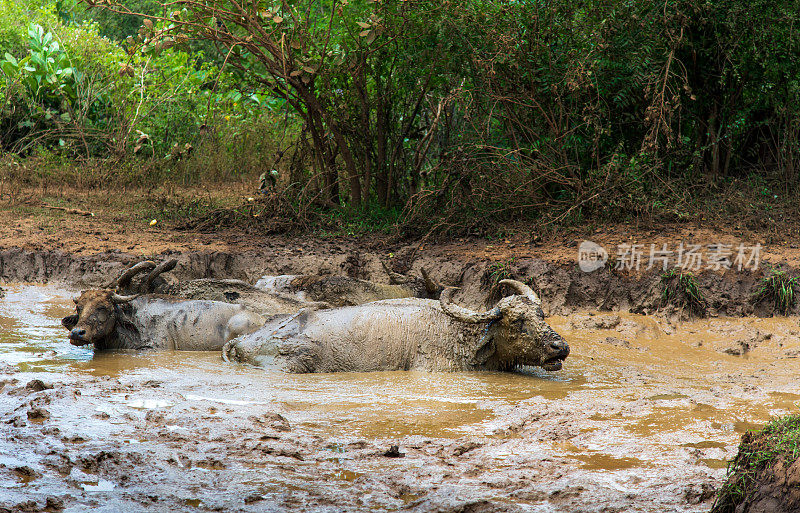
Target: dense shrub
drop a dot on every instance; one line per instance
(458, 114)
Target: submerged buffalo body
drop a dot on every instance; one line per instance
(148, 277)
(346, 291)
(407, 334)
(263, 302)
(110, 321)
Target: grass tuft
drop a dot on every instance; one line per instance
(777, 288)
(682, 290)
(759, 450)
(498, 271)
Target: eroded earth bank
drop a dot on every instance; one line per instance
(643, 417)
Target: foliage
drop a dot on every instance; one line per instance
(447, 117)
(67, 89)
(779, 289)
(779, 440)
(682, 290)
(48, 98)
(498, 271)
(116, 27)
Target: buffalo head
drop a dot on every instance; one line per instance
(517, 333)
(96, 317)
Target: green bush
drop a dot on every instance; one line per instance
(458, 117)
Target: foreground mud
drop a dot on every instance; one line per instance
(642, 418)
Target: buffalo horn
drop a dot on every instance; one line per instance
(432, 287)
(117, 299)
(464, 314)
(141, 267)
(395, 278)
(160, 268)
(522, 290)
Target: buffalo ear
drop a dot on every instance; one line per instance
(69, 321)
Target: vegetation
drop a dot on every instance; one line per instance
(437, 115)
(682, 290)
(777, 288)
(498, 271)
(759, 451)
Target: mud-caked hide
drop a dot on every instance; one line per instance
(110, 321)
(406, 334)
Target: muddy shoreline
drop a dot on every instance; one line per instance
(638, 421)
(564, 288)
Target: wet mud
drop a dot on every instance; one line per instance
(564, 288)
(643, 417)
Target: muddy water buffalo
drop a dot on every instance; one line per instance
(263, 302)
(406, 334)
(110, 321)
(346, 291)
(242, 293)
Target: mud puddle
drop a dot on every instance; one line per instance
(642, 418)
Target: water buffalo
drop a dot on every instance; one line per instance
(346, 291)
(239, 292)
(147, 321)
(406, 334)
(110, 321)
(263, 302)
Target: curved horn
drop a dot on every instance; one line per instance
(463, 314)
(432, 287)
(117, 299)
(132, 271)
(394, 278)
(522, 289)
(160, 268)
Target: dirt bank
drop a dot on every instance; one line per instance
(40, 244)
(765, 474)
(563, 286)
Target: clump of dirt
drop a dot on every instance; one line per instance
(765, 475)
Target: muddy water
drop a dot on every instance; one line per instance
(642, 414)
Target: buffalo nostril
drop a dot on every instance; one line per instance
(560, 347)
(78, 332)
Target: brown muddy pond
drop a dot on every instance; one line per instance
(640, 402)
